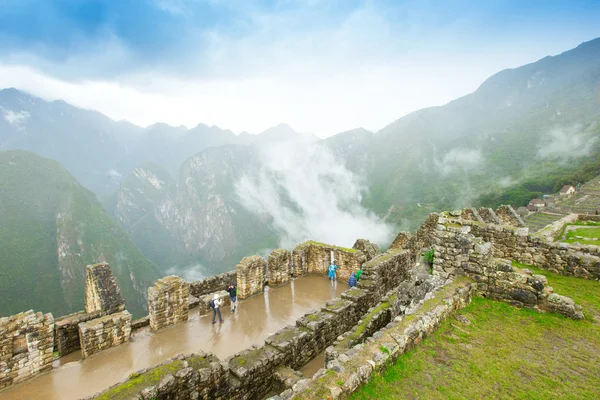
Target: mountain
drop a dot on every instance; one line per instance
(521, 125)
(51, 227)
(99, 151)
(195, 217)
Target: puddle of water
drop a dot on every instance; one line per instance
(255, 319)
(314, 365)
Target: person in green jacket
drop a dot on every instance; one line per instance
(358, 274)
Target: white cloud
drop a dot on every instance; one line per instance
(564, 143)
(309, 195)
(189, 273)
(15, 118)
(459, 159)
(364, 70)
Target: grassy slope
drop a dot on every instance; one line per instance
(505, 353)
(33, 192)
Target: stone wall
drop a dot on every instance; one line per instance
(104, 332)
(26, 346)
(101, 291)
(516, 244)
(251, 274)
(313, 257)
(194, 376)
(489, 216)
(368, 249)
(344, 374)
(401, 240)
(212, 284)
(66, 331)
(204, 307)
(458, 252)
(168, 302)
(508, 216)
(280, 266)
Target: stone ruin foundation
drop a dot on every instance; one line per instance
(251, 274)
(26, 345)
(313, 257)
(168, 302)
(104, 332)
(101, 291)
(280, 266)
(106, 323)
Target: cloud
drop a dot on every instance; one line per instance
(565, 143)
(15, 118)
(459, 159)
(321, 66)
(189, 273)
(310, 195)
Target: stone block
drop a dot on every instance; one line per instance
(280, 266)
(104, 332)
(101, 291)
(168, 302)
(251, 273)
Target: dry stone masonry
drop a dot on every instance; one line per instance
(104, 332)
(280, 266)
(26, 346)
(361, 332)
(251, 274)
(66, 331)
(168, 302)
(212, 284)
(101, 291)
(313, 257)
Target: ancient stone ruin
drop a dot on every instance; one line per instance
(398, 301)
(313, 257)
(101, 291)
(26, 345)
(168, 302)
(104, 332)
(280, 266)
(251, 275)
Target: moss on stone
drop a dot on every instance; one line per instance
(137, 383)
(198, 362)
(383, 257)
(312, 242)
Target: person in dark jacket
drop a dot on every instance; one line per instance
(232, 290)
(352, 281)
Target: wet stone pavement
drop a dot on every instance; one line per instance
(255, 319)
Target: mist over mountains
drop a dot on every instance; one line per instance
(200, 199)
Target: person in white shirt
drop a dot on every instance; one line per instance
(216, 302)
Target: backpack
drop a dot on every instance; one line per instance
(211, 303)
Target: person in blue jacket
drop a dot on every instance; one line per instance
(332, 271)
(352, 281)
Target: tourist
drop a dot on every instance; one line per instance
(358, 274)
(332, 271)
(352, 281)
(232, 290)
(216, 302)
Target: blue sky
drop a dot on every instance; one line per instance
(321, 66)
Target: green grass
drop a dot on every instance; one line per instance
(591, 233)
(505, 352)
(137, 382)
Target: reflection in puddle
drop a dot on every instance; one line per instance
(254, 320)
